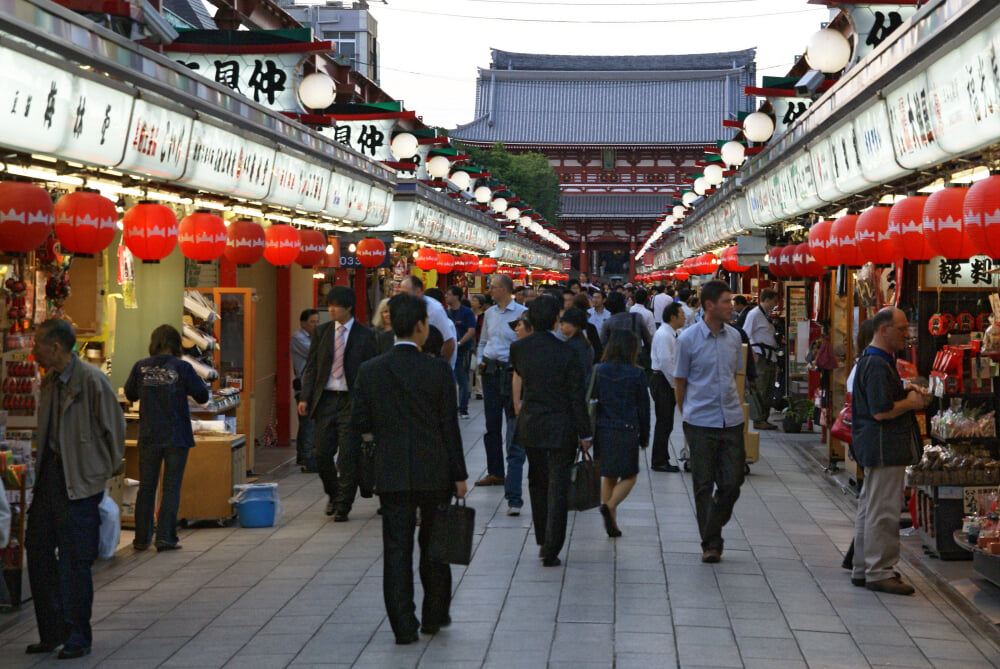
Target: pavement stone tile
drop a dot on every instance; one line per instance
(768, 648)
(885, 655)
(644, 661)
(709, 656)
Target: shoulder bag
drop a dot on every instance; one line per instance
(841, 428)
(584, 483)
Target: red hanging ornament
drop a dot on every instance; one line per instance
(709, 263)
(426, 259)
(843, 241)
(487, 265)
(471, 262)
(26, 214)
(819, 243)
(150, 231)
(906, 229)
(786, 261)
(445, 263)
(85, 222)
(729, 261)
(681, 275)
(811, 268)
(775, 262)
(244, 243)
(312, 251)
(982, 216)
(202, 236)
(371, 252)
(944, 225)
(282, 244)
(937, 325)
(872, 232)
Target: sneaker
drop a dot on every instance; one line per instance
(513, 511)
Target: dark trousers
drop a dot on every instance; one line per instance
(332, 439)
(304, 443)
(61, 539)
(493, 408)
(717, 461)
(548, 485)
(172, 461)
(398, 523)
(664, 404)
(462, 379)
(763, 389)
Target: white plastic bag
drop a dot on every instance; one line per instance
(111, 528)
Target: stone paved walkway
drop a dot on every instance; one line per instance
(307, 593)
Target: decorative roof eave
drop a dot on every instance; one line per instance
(604, 75)
(486, 143)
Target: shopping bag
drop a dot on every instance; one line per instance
(366, 469)
(110, 529)
(451, 533)
(584, 483)
(841, 428)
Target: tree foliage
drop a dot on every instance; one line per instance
(528, 175)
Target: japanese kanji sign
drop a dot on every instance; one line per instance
(369, 137)
(226, 162)
(972, 273)
(268, 79)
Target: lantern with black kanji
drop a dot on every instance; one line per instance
(85, 222)
(906, 229)
(982, 216)
(312, 251)
(150, 231)
(244, 243)
(26, 214)
(202, 236)
(425, 259)
(944, 224)
(843, 241)
(819, 243)
(282, 244)
(371, 252)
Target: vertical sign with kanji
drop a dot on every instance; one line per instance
(368, 137)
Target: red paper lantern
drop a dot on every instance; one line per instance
(906, 229)
(944, 225)
(312, 249)
(244, 243)
(788, 260)
(844, 243)
(872, 231)
(282, 244)
(808, 266)
(202, 236)
(85, 222)
(371, 252)
(819, 243)
(150, 231)
(982, 216)
(681, 275)
(426, 259)
(774, 262)
(709, 263)
(521, 274)
(729, 261)
(487, 265)
(25, 216)
(445, 263)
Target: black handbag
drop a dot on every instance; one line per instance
(366, 469)
(451, 533)
(584, 483)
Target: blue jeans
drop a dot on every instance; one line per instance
(173, 461)
(515, 467)
(462, 378)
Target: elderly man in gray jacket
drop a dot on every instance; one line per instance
(81, 440)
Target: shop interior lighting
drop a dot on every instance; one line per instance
(308, 222)
(329, 249)
(932, 187)
(319, 275)
(793, 228)
(42, 175)
(280, 218)
(971, 175)
(116, 189)
(160, 196)
(209, 204)
(247, 211)
(43, 158)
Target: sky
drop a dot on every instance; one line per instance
(431, 50)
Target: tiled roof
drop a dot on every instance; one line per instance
(613, 206)
(508, 60)
(191, 11)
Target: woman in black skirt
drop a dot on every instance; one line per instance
(622, 421)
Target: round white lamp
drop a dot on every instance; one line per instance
(828, 51)
(670, 220)
(513, 214)
(525, 222)
(403, 146)
(714, 175)
(758, 127)
(733, 153)
(316, 91)
(438, 167)
(688, 197)
(701, 185)
(499, 205)
(460, 179)
(482, 194)
(679, 212)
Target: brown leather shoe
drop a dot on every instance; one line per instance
(489, 479)
(763, 425)
(893, 586)
(711, 556)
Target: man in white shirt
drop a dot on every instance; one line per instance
(690, 310)
(597, 314)
(645, 314)
(436, 316)
(659, 303)
(662, 388)
(763, 344)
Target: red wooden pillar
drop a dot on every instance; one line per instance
(283, 367)
(361, 295)
(631, 259)
(584, 264)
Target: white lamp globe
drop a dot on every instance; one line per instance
(499, 205)
(828, 51)
(316, 91)
(438, 167)
(758, 127)
(460, 179)
(513, 213)
(733, 153)
(688, 197)
(701, 185)
(714, 175)
(670, 220)
(525, 221)
(482, 194)
(679, 212)
(403, 146)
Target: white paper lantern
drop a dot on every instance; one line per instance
(482, 194)
(460, 179)
(688, 197)
(513, 213)
(499, 205)
(828, 51)
(679, 212)
(316, 91)
(714, 175)
(733, 153)
(758, 127)
(403, 146)
(438, 167)
(701, 185)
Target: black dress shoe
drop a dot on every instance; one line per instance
(859, 582)
(37, 648)
(407, 639)
(434, 628)
(167, 547)
(329, 508)
(340, 517)
(609, 522)
(673, 469)
(139, 546)
(69, 653)
(551, 561)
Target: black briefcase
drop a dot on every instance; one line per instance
(451, 534)
(584, 483)
(366, 469)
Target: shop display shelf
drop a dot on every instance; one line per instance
(984, 563)
(940, 510)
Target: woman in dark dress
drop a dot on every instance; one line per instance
(622, 422)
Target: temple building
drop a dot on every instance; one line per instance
(622, 132)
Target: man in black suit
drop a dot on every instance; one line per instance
(406, 401)
(336, 352)
(551, 420)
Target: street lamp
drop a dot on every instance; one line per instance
(499, 205)
(828, 51)
(714, 175)
(733, 153)
(438, 167)
(482, 194)
(316, 91)
(758, 127)
(460, 179)
(403, 146)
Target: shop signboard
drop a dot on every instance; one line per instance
(873, 22)
(803, 184)
(314, 182)
(972, 273)
(369, 137)
(285, 184)
(100, 123)
(358, 195)
(37, 103)
(268, 79)
(223, 162)
(849, 176)
(787, 111)
(911, 122)
(378, 207)
(874, 143)
(824, 171)
(759, 203)
(336, 198)
(158, 141)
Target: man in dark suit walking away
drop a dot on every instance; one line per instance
(336, 352)
(406, 402)
(551, 420)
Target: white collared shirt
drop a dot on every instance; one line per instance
(663, 351)
(339, 383)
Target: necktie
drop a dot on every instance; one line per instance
(338, 353)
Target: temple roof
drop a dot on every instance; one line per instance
(613, 205)
(509, 60)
